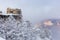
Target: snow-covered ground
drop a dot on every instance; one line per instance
(1, 38)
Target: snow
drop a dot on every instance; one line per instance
(1, 38)
(12, 29)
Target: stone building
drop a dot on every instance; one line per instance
(13, 11)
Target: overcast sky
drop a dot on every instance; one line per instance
(34, 10)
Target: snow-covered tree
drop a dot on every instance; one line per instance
(12, 29)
